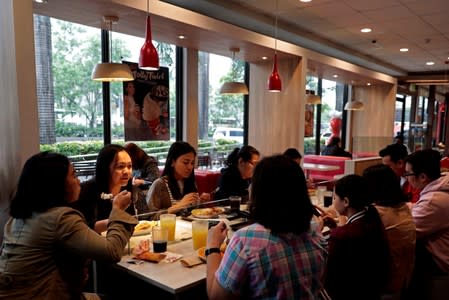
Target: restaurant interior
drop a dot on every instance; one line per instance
(321, 38)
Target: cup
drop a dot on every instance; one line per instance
(160, 237)
(320, 195)
(200, 229)
(168, 221)
(234, 202)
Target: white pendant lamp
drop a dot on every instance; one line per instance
(311, 98)
(274, 81)
(234, 87)
(149, 58)
(354, 105)
(110, 71)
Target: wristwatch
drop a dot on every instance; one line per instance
(211, 250)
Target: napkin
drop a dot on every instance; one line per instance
(171, 257)
(191, 261)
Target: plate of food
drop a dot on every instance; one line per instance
(207, 213)
(312, 191)
(144, 227)
(201, 251)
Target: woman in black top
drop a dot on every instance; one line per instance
(236, 177)
(113, 174)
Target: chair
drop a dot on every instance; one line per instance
(204, 160)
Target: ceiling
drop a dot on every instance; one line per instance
(330, 27)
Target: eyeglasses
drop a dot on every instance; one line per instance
(409, 174)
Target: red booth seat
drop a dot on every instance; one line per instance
(206, 179)
(325, 160)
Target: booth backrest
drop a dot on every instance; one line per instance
(325, 160)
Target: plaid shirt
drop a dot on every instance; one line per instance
(260, 265)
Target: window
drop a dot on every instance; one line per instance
(70, 103)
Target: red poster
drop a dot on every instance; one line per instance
(308, 129)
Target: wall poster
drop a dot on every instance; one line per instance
(308, 124)
(146, 105)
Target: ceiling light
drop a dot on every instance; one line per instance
(430, 63)
(110, 71)
(368, 83)
(149, 58)
(403, 49)
(305, 1)
(311, 98)
(354, 105)
(264, 57)
(233, 87)
(41, 1)
(274, 81)
(365, 30)
(181, 37)
(335, 76)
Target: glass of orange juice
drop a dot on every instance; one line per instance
(169, 221)
(199, 233)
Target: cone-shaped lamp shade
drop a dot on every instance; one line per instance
(313, 99)
(234, 87)
(354, 105)
(148, 59)
(274, 81)
(112, 72)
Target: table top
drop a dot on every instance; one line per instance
(171, 277)
(319, 167)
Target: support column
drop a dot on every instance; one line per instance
(190, 100)
(19, 126)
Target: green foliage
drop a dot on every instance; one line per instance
(152, 147)
(73, 60)
(228, 106)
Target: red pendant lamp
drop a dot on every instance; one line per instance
(149, 58)
(274, 81)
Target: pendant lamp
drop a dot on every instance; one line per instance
(311, 98)
(110, 71)
(274, 81)
(354, 105)
(149, 58)
(234, 87)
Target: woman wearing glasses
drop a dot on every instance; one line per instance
(236, 177)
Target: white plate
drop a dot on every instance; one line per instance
(207, 213)
(145, 231)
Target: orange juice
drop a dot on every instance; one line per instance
(169, 221)
(200, 229)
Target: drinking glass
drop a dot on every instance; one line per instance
(234, 202)
(169, 221)
(200, 229)
(160, 237)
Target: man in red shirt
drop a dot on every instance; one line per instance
(394, 156)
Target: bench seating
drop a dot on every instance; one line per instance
(345, 164)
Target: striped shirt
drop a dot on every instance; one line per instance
(258, 264)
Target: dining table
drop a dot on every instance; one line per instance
(163, 280)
